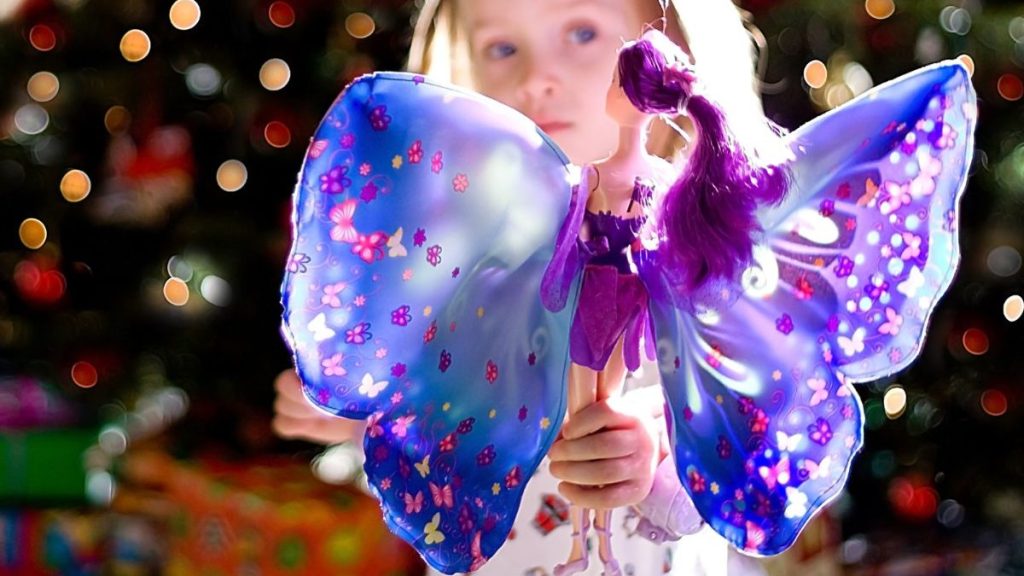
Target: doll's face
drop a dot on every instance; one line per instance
(550, 59)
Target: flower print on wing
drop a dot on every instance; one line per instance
(784, 324)
(466, 426)
(460, 183)
(491, 374)
(430, 333)
(415, 152)
(827, 208)
(359, 334)
(365, 169)
(820, 432)
(486, 456)
(370, 247)
(436, 162)
(297, 263)
(373, 427)
(335, 180)
(331, 292)
(398, 370)
(332, 366)
(759, 422)
(724, 448)
(465, 519)
(804, 290)
(696, 480)
(379, 118)
(445, 362)
(513, 478)
(343, 215)
(419, 237)
(448, 443)
(434, 255)
(745, 405)
(347, 141)
(368, 193)
(400, 316)
(844, 267)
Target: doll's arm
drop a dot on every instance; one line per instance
(571, 251)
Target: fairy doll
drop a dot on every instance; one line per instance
(451, 272)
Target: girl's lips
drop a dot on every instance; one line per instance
(554, 126)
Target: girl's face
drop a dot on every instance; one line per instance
(551, 60)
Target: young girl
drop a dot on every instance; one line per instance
(551, 59)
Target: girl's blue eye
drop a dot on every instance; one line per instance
(500, 50)
(583, 34)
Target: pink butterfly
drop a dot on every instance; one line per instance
(819, 386)
(778, 474)
(913, 246)
(316, 149)
(331, 292)
(898, 196)
(342, 216)
(892, 324)
(413, 504)
(478, 558)
(358, 334)
(373, 427)
(442, 495)
(818, 469)
(401, 426)
(755, 537)
(332, 366)
(370, 248)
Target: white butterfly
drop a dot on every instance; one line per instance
(395, 248)
(371, 389)
(911, 285)
(819, 385)
(788, 443)
(318, 326)
(818, 469)
(796, 503)
(855, 345)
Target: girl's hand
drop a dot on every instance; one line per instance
(296, 418)
(607, 454)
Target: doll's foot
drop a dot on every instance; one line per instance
(579, 540)
(604, 551)
(572, 567)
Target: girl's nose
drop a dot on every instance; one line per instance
(539, 80)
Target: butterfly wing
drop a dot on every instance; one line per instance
(776, 354)
(450, 329)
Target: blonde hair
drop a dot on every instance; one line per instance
(714, 32)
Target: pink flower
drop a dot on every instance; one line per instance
(436, 162)
(492, 371)
(415, 152)
(359, 301)
(365, 168)
(460, 183)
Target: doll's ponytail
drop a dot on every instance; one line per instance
(706, 223)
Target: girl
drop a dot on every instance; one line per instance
(551, 60)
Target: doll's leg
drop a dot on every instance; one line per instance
(603, 527)
(582, 390)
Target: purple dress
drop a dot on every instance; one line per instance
(613, 299)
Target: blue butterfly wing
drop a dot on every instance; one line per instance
(424, 219)
(765, 422)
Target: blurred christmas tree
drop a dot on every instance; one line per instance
(148, 150)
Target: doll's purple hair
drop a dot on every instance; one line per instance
(707, 219)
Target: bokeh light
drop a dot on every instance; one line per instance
(275, 74)
(1010, 87)
(185, 14)
(202, 79)
(32, 233)
(281, 14)
(955, 20)
(994, 402)
(1004, 261)
(31, 119)
(359, 25)
(975, 341)
(42, 38)
(277, 134)
(135, 45)
(178, 267)
(117, 119)
(880, 9)
(950, 514)
(215, 290)
(75, 186)
(1016, 29)
(43, 86)
(895, 402)
(232, 175)
(968, 62)
(815, 73)
(176, 292)
(1013, 308)
(84, 374)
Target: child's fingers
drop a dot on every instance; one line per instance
(599, 446)
(597, 472)
(290, 427)
(296, 409)
(287, 384)
(597, 416)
